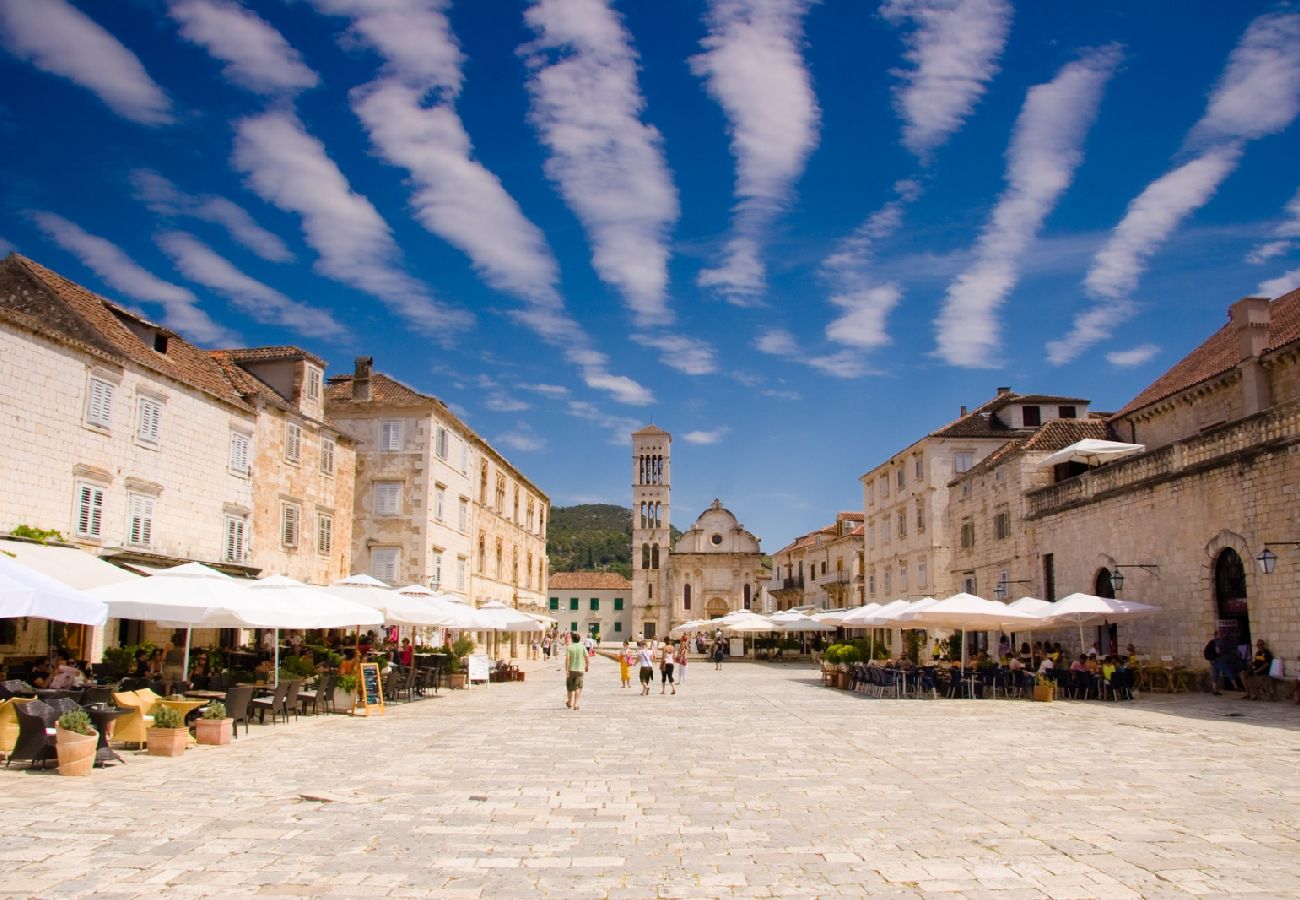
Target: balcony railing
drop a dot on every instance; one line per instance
(784, 584)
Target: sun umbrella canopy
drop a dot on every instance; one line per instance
(882, 616)
(289, 600)
(796, 622)
(502, 618)
(191, 595)
(1089, 609)
(970, 613)
(1091, 452)
(395, 608)
(1029, 604)
(26, 592)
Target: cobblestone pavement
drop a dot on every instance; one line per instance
(754, 781)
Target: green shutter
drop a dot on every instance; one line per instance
(618, 603)
(595, 604)
(555, 603)
(573, 603)
(618, 626)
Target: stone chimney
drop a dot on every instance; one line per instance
(1249, 320)
(1003, 391)
(963, 410)
(361, 378)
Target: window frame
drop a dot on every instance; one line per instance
(148, 433)
(328, 447)
(99, 403)
(378, 553)
(140, 509)
(91, 512)
(324, 533)
(391, 435)
(292, 443)
(235, 531)
(240, 443)
(290, 524)
(379, 490)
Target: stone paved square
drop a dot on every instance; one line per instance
(755, 781)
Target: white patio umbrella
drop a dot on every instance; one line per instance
(796, 623)
(500, 617)
(689, 626)
(969, 613)
(26, 592)
(1089, 609)
(397, 608)
(1029, 604)
(1091, 452)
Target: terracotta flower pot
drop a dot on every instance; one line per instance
(76, 751)
(213, 731)
(457, 679)
(167, 741)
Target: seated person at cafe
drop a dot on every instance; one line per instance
(1121, 679)
(42, 672)
(406, 654)
(156, 664)
(141, 667)
(263, 670)
(1258, 683)
(349, 664)
(201, 671)
(66, 676)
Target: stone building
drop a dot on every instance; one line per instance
(906, 499)
(714, 568)
(595, 603)
(303, 468)
(1185, 520)
(821, 569)
(434, 503)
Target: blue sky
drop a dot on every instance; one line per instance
(796, 235)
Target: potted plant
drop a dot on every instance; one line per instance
(462, 647)
(168, 734)
(345, 692)
(212, 726)
(75, 741)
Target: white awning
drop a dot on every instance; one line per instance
(1091, 452)
(75, 568)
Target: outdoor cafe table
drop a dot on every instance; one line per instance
(103, 717)
(206, 696)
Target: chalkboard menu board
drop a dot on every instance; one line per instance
(370, 694)
(478, 667)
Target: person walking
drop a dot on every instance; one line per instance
(680, 660)
(717, 655)
(666, 668)
(577, 664)
(646, 666)
(625, 659)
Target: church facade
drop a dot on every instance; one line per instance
(714, 568)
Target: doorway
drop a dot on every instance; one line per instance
(716, 608)
(1233, 618)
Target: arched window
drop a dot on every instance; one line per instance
(686, 597)
(654, 557)
(1102, 586)
(747, 596)
(658, 521)
(645, 556)
(1230, 597)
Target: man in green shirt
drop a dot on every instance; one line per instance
(576, 662)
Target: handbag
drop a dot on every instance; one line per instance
(1277, 668)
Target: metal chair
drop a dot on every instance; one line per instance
(276, 704)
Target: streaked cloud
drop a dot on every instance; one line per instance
(1139, 355)
(781, 343)
(1258, 94)
(56, 37)
(607, 163)
(753, 66)
(181, 310)
(199, 263)
(706, 437)
(685, 354)
(1282, 284)
(953, 49)
(289, 168)
(1284, 235)
(413, 36)
(165, 199)
(619, 428)
(778, 342)
(503, 403)
(862, 323)
(257, 57)
(522, 440)
(1046, 149)
(554, 391)
(5, 247)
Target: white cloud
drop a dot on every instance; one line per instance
(685, 354)
(619, 427)
(622, 388)
(1283, 284)
(1136, 356)
(289, 168)
(554, 391)
(778, 342)
(863, 322)
(522, 439)
(783, 394)
(1046, 149)
(257, 57)
(1257, 95)
(197, 262)
(953, 53)
(109, 262)
(781, 343)
(607, 163)
(58, 38)
(413, 36)
(706, 437)
(165, 199)
(753, 67)
(5, 247)
(505, 404)
(1284, 235)
(1259, 91)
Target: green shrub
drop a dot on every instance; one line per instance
(214, 710)
(43, 535)
(166, 717)
(77, 720)
(297, 666)
(347, 684)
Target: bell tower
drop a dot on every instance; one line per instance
(651, 516)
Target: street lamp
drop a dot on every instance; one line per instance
(1000, 589)
(1117, 577)
(1267, 559)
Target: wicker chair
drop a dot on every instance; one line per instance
(239, 705)
(133, 727)
(35, 734)
(9, 721)
(277, 704)
(322, 694)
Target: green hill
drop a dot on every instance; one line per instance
(591, 537)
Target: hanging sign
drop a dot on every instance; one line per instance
(370, 694)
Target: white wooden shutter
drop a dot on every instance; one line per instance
(327, 456)
(439, 502)
(150, 420)
(290, 517)
(388, 498)
(390, 434)
(383, 563)
(90, 510)
(292, 441)
(440, 442)
(235, 539)
(99, 409)
(324, 533)
(141, 510)
(239, 447)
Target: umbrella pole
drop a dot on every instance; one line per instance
(276, 682)
(1082, 649)
(963, 654)
(185, 666)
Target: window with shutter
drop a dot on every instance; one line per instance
(239, 452)
(150, 419)
(90, 510)
(388, 498)
(390, 434)
(463, 521)
(236, 527)
(464, 457)
(439, 502)
(140, 533)
(327, 456)
(313, 384)
(99, 406)
(440, 442)
(324, 534)
(290, 518)
(436, 578)
(383, 563)
(292, 442)
(460, 573)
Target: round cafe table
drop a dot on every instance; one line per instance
(184, 707)
(103, 717)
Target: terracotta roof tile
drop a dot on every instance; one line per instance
(261, 354)
(383, 389)
(589, 581)
(650, 429)
(75, 314)
(1060, 433)
(850, 516)
(1219, 354)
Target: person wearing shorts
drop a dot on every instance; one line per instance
(666, 668)
(576, 663)
(646, 665)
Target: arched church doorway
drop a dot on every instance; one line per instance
(1233, 621)
(717, 608)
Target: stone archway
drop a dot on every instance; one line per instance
(1224, 583)
(716, 608)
